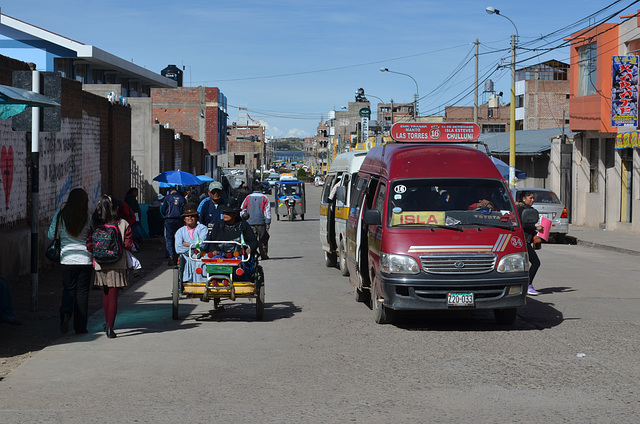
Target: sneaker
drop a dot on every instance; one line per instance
(531, 291)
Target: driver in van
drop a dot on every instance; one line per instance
(483, 202)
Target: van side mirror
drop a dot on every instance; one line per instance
(530, 216)
(372, 217)
(341, 194)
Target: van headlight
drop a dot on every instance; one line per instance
(515, 262)
(398, 264)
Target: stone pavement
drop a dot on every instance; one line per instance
(618, 241)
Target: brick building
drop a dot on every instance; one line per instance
(199, 112)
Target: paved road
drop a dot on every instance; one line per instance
(319, 356)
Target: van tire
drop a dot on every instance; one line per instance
(362, 296)
(330, 260)
(505, 316)
(277, 217)
(344, 270)
(381, 314)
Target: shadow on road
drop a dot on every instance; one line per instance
(246, 311)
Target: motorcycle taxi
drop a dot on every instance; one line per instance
(290, 199)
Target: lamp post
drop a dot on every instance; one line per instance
(512, 109)
(415, 96)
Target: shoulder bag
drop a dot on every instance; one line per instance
(53, 251)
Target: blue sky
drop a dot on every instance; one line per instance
(291, 61)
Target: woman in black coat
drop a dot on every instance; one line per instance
(530, 230)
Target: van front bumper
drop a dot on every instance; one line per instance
(429, 292)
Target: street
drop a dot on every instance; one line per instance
(318, 356)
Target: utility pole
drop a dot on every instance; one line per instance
(475, 96)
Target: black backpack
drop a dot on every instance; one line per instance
(107, 244)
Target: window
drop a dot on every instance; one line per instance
(587, 69)
(594, 159)
(520, 100)
(379, 205)
(494, 128)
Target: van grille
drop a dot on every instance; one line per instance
(458, 264)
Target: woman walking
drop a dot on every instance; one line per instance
(525, 202)
(73, 228)
(110, 276)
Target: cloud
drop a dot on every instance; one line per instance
(294, 132)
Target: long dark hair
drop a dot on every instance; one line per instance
(106, 211)
(75, 212)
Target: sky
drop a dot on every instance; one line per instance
(290, 62)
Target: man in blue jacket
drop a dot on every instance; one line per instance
(211, 208)
(172, 209)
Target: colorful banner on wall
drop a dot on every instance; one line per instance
(624, 91)
(629, 140)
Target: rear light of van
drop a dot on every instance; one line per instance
(564, 213)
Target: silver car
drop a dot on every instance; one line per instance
(547, 204)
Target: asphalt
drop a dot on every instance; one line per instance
(617, 241)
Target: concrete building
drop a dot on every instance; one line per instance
(88, 64)
(492, 116)
(605, 174)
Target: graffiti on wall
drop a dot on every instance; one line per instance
(6, 169)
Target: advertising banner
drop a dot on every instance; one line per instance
(624, 91)
(442, 131)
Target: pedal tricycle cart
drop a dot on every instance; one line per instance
(223, 276)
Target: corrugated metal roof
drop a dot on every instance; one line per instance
(529, 142)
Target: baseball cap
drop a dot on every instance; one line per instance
(215, 185)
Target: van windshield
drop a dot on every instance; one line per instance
(451, 203)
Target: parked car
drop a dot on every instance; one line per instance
(549, 205)
(266, 187)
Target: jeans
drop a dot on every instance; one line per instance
(76, 280)
(259, 231)
(170, 227)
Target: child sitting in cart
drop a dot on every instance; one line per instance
(233, 228)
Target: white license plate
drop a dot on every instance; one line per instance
(460, 299)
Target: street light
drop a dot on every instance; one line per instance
(512, 109)
(415, 98)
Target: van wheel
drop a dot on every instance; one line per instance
(381, 313)
(505, 316)
(330, 259)
(344, 270)
(362, 296)
(277, 217)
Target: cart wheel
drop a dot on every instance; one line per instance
(302, 217)
(216, 303)
(291, 216)
(260, 295)
(175, 293)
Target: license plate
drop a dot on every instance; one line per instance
(460, 299)
(219, 269)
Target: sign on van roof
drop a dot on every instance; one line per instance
(420, 132)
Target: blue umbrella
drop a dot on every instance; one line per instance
(178, 178)
(503, 168)
(165, 185)
(205, 178)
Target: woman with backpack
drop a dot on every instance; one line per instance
(71, 226)
(109, 240)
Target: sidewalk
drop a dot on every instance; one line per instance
(618, 241)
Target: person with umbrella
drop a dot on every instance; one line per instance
(172, 210)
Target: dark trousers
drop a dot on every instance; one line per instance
(259, 231)
(76, 280)
(535, 262)
(170, 227)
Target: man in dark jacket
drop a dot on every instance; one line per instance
(210, 208)
(172, 209)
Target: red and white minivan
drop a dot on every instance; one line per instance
(433, 226)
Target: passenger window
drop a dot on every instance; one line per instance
(356, 197)
(379, 205)
(326, 189)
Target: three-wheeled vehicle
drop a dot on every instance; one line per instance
(222, 277)
(290, 199)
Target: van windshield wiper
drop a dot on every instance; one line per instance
(486, 224)
(446, 227)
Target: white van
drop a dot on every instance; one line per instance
(334, 207)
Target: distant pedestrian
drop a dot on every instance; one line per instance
(76, 261)
(6, 304)
(131, 199)
(110, 276)
(258, 209)
(172, 209)
(155, 221)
